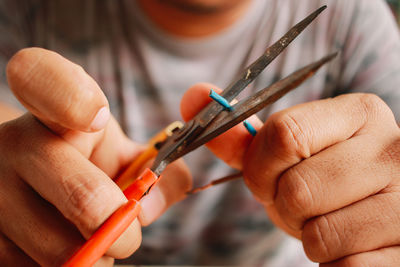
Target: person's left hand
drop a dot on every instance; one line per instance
(327, 172)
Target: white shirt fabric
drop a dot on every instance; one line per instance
(144, 71)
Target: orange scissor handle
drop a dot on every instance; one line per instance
(129, 175)
(134, 187)
(105, 236)
(115, 225)
(141, 185)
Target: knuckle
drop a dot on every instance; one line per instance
(288, 135)
(86, 207)
(294, 198)
(374, 106)
(320, 239)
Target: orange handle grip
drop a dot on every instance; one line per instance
(133, 189)
(141, 185)
(129, 175)
(105, 236)
(115, 225)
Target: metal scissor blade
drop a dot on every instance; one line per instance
(251, 72)
(178, 142)
(251, 105)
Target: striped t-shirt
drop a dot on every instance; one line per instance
(144, 71)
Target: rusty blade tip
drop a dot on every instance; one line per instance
(318, 11)
(322, 8)
(331, 56)
(318, 64)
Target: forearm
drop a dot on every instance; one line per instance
(8, 113)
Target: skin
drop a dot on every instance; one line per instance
(57, 165)
(58, 160)
(202, 17)
(326, 171)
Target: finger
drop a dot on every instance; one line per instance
(104, 261)
(175, 181)
(63, 96)
(8, 112)
(276, 218)
(354, 172)
(110, 149)
(11, 255)
(79, 190)
(36, 228)
(295, 134)
(60, 93)
(229, 146)
(367, 225)
(388, 257)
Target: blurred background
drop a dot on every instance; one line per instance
(395, 5)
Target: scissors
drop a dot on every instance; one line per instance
(178, 140)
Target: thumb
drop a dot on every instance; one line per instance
(229, 146)
(58, 92)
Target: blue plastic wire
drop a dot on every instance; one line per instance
(223, 102)
(219, 99)
(250, 128)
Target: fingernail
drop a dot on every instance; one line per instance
(101, 119)
(152, 206)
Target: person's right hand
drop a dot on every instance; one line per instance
(56, 163)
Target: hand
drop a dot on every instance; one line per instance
(327, 172)
(56, 163)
